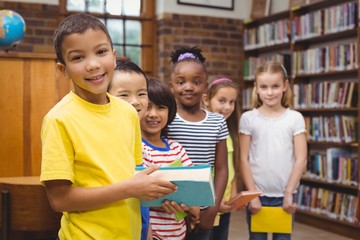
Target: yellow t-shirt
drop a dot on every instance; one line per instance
(94, 145)
(231, 169)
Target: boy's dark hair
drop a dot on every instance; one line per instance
(129, 67)
(76, 23)
(187, 54)
(160, 94)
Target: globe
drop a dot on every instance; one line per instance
(12, 28)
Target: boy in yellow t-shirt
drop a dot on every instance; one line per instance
(91, 142)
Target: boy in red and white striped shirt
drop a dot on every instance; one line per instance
(158, 150)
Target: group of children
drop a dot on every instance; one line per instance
(92, 141)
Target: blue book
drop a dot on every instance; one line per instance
(195, 185)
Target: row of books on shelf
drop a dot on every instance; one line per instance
(325, 94)
(335, 205)
(321, 22)
(246, 97)
(336, 128)
(335, 165)
(330, 58)
(251, 63)
(266, 35)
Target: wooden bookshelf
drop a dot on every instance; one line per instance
(256, 50)
(347, 35)
(343, 73)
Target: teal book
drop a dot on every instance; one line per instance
(195, 185)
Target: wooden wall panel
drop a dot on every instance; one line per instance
(43, 97)
(30, 88)
(11, 120)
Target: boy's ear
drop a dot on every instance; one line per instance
(62, 69)
(114, 54)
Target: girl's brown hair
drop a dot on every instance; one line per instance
(232, 121)
(272, 67)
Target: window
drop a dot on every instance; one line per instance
(127, 21)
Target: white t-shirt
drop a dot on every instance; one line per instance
(271, 155)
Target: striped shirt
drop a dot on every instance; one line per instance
(199, 138)
(173, 151)
(164, 225)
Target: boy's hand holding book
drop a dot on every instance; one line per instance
(190, 181)
(144, 186)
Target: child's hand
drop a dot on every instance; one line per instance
(254, 205)
(225, 208)
(288, 204)
(147, 187)
(194, 215)
(173, 207)
(207, 218)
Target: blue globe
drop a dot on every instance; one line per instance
(12, 28)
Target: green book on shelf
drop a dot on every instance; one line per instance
(194, 185)
(246, 68)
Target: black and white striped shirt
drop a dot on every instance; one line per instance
(199, 138)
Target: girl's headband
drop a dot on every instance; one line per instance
(284, 70)
(220, 80)
(186, 55)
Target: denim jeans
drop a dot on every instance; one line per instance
(222, 231)
(274, 202)
(200, 235)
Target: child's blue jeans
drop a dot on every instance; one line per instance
(202, 235)
(222, 231)
(268, 201)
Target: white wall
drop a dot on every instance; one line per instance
(52, 2)
(241, 9)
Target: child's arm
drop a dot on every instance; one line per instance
(149, 234)
(207, 216)
(300, 149)
(234, 192)
(63, 197)
(224, 206)
(245, 140)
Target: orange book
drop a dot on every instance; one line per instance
(244, 197)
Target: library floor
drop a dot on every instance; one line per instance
(238, 230)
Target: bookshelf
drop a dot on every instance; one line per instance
(320, 50)
(264, 39)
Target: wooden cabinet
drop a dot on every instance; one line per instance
(323, 72)
(25, 210)
(30, 87)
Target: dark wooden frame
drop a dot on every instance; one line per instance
(196, 4)
(149, 37)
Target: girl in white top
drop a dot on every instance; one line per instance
(273, 147)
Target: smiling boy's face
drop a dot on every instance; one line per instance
(131, 87)
(89, 64)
